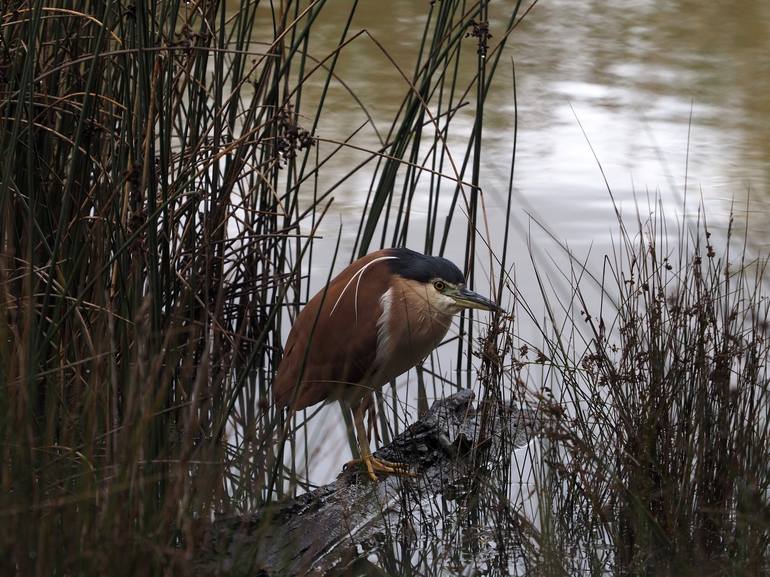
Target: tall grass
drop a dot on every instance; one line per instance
(147, 248)
(159, 200)
(658, 431)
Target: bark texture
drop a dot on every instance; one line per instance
(330, 529)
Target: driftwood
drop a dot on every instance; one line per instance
(323, 531)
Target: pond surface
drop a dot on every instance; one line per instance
(643, 78)
(670, 98)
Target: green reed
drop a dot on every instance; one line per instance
(148, 249)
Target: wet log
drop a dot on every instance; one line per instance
(324, 531)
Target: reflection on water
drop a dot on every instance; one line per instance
(653, 91)
(633, 73)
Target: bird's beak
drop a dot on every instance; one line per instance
(468, 299)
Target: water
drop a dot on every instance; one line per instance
(641, 78)
(670, 100)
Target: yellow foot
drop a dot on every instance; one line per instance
(374, 466)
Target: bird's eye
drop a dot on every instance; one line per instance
(439, 285)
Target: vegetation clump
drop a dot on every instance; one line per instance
(658, 437)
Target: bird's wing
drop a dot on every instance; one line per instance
(332, 345)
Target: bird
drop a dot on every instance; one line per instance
(382, 315)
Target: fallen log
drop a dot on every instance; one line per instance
(325, 530)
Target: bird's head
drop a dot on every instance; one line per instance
(443, 281)
(457, 297)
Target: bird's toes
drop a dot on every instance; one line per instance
(380, 466)
(390, 468)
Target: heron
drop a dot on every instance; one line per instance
(382, 315)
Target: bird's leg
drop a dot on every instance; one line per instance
(373, 466)
(371, 418)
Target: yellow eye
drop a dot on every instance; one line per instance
(439, 285)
